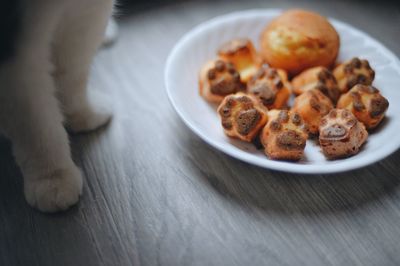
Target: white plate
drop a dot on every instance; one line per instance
(201, 44)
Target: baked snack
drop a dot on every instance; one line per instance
(366, 103)
(270, 86)
(242, 54)
(353, 72)
(219, 78)
(312, 105)
(319, 78)
(285, 135)
(341, 134)
(299, 39)
(242, 116)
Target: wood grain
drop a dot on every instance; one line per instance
(155, 194)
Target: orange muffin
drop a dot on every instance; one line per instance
(242, 116)
(217, 79)
(366, 103)
(299, 39)
(312, 106)
(285, 135)
(242, 54)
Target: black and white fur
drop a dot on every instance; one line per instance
(46, 50)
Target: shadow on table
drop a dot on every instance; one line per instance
(11, 183)
(292, 193)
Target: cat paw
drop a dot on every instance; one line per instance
(90, 117)
(87, 120)
(56, 192)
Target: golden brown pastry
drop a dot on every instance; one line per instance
(319, 78)
(312, 105)
(242, 54)
(366, 103)
(242, 116)
(341, 134)
(299, 39)
(217, 79)
(270, 86)
(353, 72)
(285, 135)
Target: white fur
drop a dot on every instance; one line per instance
(44, 83)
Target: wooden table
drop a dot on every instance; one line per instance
(155, 194)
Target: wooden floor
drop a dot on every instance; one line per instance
(155, 194)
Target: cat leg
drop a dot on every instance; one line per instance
(78, 36)
(30, 116)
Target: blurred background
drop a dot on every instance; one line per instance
(156, 194)
(379, 18)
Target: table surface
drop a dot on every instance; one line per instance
(155, 194)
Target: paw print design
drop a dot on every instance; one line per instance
(319, 78)
(341, 134)
(219, 78)
(366, 103)
(284, 136)
(353, 72)
(242, 116)
(270, 86)
(312, 105)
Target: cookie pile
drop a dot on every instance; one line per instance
(337, 105)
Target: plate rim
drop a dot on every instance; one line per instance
(283, 166)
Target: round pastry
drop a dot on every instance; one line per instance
(299, 39)
(319, 78)
(217, 79)
(285, 135)
(366, 103)
(341, 134)
(312, 105)
(270, 86)
(242, 54)
(353, 72)
(242, 116)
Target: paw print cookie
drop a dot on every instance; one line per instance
(242, 54)
(312, 105)
(242, 116)
(217, 79)
(353, 72)
(341, 134)
(366, 103)
(285, 135)
(319, 78)
(270, 86)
